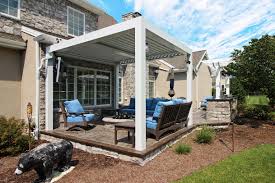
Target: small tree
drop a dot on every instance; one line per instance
(254, 69)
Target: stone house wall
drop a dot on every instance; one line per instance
(48, 16)
(128, 86)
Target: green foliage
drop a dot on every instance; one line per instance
(183, 149)
(213, 91)
(205, 135)
(252, 165)
(272, 115)
(257, 111)
(254, 69)
(256, 107)
(13, 141)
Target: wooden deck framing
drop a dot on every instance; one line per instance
(103, 138)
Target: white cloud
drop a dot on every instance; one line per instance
(217, 25)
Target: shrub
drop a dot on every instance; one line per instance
(257, 111)
(183, 149)
(205, 135)
(12, 139)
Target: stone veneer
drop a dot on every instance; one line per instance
(220, 110)
(129, 81)
(48, 16)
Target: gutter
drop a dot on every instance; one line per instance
(7, 43)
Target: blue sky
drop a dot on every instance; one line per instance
(219, 26)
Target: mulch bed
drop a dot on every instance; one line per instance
(166, 167)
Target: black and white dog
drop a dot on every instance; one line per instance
(44, 158)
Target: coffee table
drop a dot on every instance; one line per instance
(111, 120)
(129, 127)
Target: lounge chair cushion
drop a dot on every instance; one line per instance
(132, 103)
(150, 123)
(79, 118)
(73, 106)
(159, 107)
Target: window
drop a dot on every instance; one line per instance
(89, 86)
(76, 22)
(151, 89)
(103, 88)
(85, 86)
(10, 7)
(64, 89)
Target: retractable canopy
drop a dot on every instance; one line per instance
(116, 44)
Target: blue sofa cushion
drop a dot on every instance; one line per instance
(179, 101)
(73, 106)
(79, 118)
(149, 103)
(150, 123)
(150, 112)
(154, 103)
(128, 111)
(159, 107)
(132, 104)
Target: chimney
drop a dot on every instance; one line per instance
(131, 15)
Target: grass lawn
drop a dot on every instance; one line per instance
(252, 165)
(256, 100)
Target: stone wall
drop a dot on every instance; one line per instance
(10, 26)
(219, 111)
(46, 16)
(129, 82)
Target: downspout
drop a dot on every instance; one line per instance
(37, 92)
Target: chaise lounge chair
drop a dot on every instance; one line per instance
(74, 115)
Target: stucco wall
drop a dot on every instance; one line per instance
(28, 76)
(204, 82)
(10, 76)
(105, 21)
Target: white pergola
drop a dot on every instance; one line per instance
(217, 65)
(135, 40)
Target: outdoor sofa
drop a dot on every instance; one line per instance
(151, 104)
(168, 116)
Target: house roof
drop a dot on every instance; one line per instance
(11, 37)
(197, 56)
(12, 41)
(88, 6)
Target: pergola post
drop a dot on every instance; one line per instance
(140, 86)
(190, 88)
(218, 84)
(227, 85)
(49, 92)
(117, 86)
